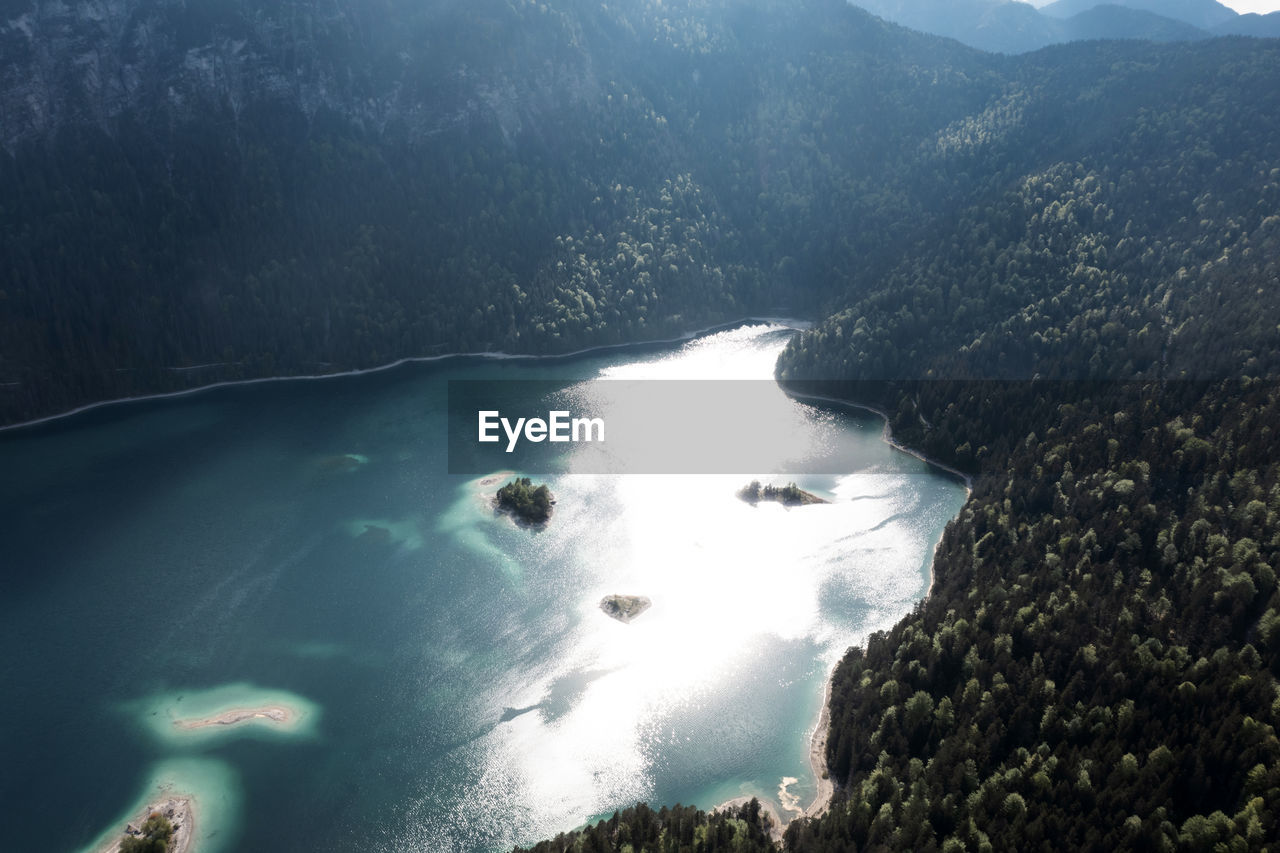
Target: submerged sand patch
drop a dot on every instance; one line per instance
(200, 797)
(341, 463)
(384, 531)
(232, 710)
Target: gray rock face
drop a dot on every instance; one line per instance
(624, 608)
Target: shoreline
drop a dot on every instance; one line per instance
(825, 787)
(794, 323)
(887, 434)
(179, 808)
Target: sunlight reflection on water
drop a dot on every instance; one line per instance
(731, 586)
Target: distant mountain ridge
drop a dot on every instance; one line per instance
(1110, 21)
(1010, 26)
(1252, 24)
(1000, 26)
(1205, 14)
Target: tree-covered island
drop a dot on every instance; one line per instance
(529, 504)
(155, 836)
(788, 495)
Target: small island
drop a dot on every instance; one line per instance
(155, 836)
(527, 503)
(235, 716)
(624, 608)
(166, 825)
(788, 495)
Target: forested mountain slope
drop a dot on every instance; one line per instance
(234, 189)
(1096, 667)
(195, 192)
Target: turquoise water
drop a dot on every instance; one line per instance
(298, 543)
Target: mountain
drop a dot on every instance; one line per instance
(1205, 14)
(1111, 21)
(1006, 26)
(1001, 26)
(1252, 24)
(240, 174)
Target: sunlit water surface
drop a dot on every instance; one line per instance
(460, 689)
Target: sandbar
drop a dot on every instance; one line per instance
(235, 716)
(225, 713)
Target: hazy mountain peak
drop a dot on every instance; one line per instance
(1009, 26)
(1205, 14)
(1112, 20)
(1252, 24)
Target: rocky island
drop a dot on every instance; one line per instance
(527, 503)
(624, 608)
(788, 495)
(166, 824)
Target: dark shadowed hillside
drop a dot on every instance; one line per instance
(229, 192)
(1097, 665)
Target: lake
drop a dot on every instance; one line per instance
(457, 686)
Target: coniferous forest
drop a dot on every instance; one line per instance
(1056, 272)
